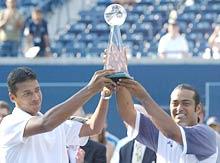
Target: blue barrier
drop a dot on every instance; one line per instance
(60, 81)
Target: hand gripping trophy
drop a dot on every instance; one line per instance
(116, 58)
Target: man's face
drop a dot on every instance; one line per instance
(3, 113)
(173, 29)
(28, 96)
(37, 17)
(182, 107)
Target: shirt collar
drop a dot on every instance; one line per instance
(21, 113)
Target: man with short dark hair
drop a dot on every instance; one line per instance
(29, 136)
(175, 139)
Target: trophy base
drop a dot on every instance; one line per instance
(119, 75)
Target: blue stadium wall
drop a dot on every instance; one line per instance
(60, 81)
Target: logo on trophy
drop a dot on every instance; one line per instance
(116, 58)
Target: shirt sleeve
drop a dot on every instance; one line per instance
(200, 141)
(12, 131)
(145, 132)
(72, 130)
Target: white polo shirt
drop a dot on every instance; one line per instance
(199, 143)
(49, 147)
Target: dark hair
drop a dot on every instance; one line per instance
(196, 96)
(19, 75)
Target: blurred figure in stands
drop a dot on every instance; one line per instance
(173, 44)
(126, 2)
(130, 150)
(37, 34)
(11, 24)
(214, 42)
(107, 139)
(214, 123)
(4, 109)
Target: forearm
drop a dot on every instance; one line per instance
(63, 111)
(126, 106)
(97, 121)
(161, 119)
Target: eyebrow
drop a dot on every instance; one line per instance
(185, 100)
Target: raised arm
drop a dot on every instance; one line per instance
(58, 114)
(126, 106)
(160, 118)
(96, 123)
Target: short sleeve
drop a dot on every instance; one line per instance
(148, 133)
(72, 130)
(145, 132)
(200, 141)
(12, 131)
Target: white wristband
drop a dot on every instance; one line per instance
(105, 97)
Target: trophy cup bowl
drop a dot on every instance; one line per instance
(115, 16)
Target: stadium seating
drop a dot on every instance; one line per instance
(145, 25)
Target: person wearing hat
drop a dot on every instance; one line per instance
(214, 123)
(173, 44)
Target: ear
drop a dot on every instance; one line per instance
(12, 97)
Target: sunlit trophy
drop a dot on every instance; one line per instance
(116, 58)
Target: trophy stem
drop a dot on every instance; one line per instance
(115, 37)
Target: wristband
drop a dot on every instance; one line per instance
(105, 97)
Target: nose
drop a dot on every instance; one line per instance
(179, 108)
(36, 96)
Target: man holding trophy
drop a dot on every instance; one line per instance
(178, 138)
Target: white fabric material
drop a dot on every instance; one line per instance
(72, 149)
(133, 132)
(218, 144)
(172, 152)
(48, 147)
(172, 46)
(169, 151)
(138, 152)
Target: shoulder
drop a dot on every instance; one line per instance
(200, 129)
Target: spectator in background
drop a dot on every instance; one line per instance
(11, 25)
(126, 2)
(91, 152)
(214, 123)
(102, 138)
(173, 44)
(4, 109)
(36, 33)
(130, 150)
(214, 42)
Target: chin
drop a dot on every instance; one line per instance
(181, 123)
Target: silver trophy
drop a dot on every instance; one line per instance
(116, 58)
